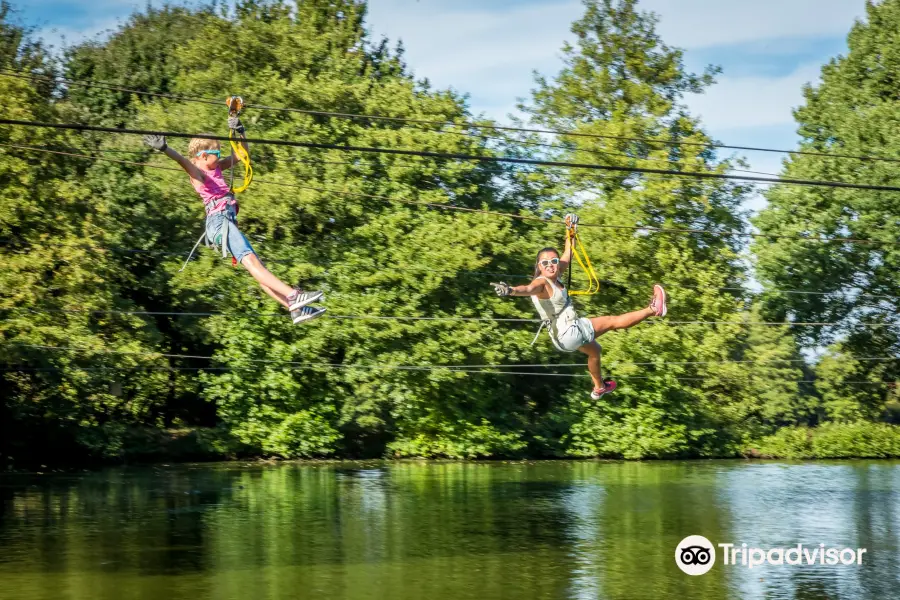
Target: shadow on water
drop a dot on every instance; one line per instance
(441, 530)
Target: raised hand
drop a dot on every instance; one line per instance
(157, 142)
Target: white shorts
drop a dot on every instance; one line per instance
(578, 334)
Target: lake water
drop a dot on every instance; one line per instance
(444, 531)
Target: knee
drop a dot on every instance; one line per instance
(251, 261)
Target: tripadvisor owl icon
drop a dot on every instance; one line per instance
(695, 555)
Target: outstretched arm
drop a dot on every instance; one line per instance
(566, 257)
(234, 124)
(158, 142)
(535, 288)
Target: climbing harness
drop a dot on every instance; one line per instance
(235, 106)
(223, 237)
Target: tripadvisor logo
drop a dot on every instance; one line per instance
(696, 555)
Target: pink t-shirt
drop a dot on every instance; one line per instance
(214, 192)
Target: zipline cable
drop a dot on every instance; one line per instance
(438, 206)
(100, 249)
(594, 151)
(455, 156)
(297, 365)
(284, 315)
(433, 122)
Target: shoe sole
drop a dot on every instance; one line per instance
(309, 317)
(309, 300)
(665, 309)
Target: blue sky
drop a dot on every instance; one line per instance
(488, 48)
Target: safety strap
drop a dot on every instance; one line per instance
(235, 106)
(584, 262)
(223, 231)
(544, 323)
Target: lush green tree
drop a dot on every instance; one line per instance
(83, 238)
(54, 403)
(853, 110)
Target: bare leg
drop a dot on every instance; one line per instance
(603, 324)
(593, 351)
(276, 296)
(265, 278)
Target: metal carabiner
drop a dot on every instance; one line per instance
(235, 105)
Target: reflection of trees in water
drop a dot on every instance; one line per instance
(437, 531)
(148, 521)
(629, 521)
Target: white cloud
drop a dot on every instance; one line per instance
(486, 52)
(59, 37)
(704, 23)
(748, 102)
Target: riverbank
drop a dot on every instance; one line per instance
(116, 445)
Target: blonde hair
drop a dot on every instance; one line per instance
(200, 144)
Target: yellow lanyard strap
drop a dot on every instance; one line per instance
(235, 106)
(245, 159)
(585, 264)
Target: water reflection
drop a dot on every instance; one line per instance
(441, 530)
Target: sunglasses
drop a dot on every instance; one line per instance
(546, 263)
(217, 153)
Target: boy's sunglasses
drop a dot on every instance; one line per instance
(217, 153)
(546, 263)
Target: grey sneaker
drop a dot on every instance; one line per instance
(300, 298)
(306, 313)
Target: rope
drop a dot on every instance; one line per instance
(437, 206)
(666, 322)
(433, 122)
(295, 365)
(457, 156)
(9, 241)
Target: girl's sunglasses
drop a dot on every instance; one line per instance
(217, 153)
(546, 263)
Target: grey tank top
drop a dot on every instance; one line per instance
(557, 310)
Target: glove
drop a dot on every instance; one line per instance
(157, 142)
(502, 289)
(571, 220)
(234, 123)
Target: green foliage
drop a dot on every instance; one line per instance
(853, 110)
(125, 387)
(858, 439)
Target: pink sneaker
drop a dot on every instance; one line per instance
(658, 303)
(609, 385)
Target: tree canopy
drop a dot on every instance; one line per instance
(104, 335)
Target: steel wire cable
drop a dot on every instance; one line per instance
(297, 365)
(433, 122)
(439, 206)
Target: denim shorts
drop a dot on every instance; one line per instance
(578, 334)
(237, 243)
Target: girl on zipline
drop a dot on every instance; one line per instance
(205, 170)
(567, 331)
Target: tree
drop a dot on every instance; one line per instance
(622, 83)
(852, 111)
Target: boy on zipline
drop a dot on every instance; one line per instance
(567, 331)
(205, 170)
